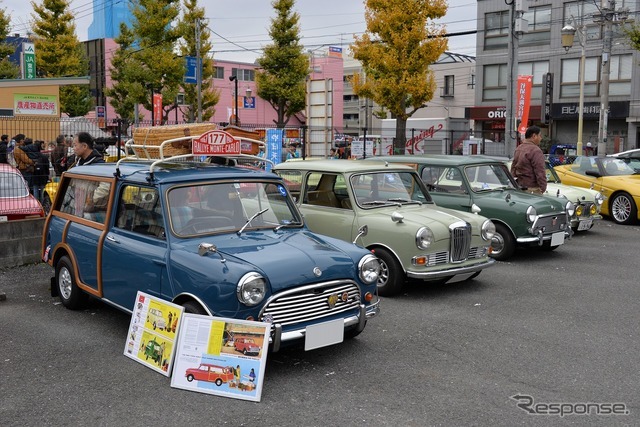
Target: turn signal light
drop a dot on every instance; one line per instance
(368, 297)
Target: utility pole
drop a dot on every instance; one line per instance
(517, 26)
(199, 71)
(607, 16)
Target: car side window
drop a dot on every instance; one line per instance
(86, 199)
(139, 210)
(320, 190)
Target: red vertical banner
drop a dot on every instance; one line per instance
(523, 102)
(157, 109)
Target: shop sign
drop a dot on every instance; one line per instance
(37, 105)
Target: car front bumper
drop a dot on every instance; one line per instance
(359, 320)
(439, 274)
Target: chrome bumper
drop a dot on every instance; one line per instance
(428, 275)
(365, 312)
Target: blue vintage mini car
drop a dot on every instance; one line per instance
(219, 240)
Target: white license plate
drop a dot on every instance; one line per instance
(4, 218)
(585, 225)
(324, 334)
(557, 238)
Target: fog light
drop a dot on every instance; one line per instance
(593, 210)
(579, 210)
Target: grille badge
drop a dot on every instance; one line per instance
(332, 300)
(317, 271)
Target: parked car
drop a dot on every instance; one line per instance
(630, 157)
(154, 350)
(218, 240)
(246, 346)
(560, 154)
(156, 319)
(16, 202)
(485, 185)
(212, 373)
(413, 238)
(587, 202)
(611, 176)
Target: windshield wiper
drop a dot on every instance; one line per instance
(380, 202)
(407, 201)
(287, 224)
(255, 215)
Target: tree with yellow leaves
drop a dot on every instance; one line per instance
(400, 44)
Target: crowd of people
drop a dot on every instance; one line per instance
(39, 163)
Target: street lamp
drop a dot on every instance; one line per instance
(235, 95)
(568, 33)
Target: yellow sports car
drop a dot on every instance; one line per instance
(618, 182)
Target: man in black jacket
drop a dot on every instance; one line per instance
(84, 151)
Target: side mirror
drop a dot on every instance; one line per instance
(362, 231)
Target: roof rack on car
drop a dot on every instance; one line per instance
(181, 148)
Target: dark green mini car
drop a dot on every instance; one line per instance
(485, 185)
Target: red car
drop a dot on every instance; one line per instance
(15, 200)
(212, 373)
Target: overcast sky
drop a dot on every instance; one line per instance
(240, 27)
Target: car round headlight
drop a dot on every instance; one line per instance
(531, 214)
(579, 210)
(251, 289)
(599, 199)
(488, 230)
(593, 210)
(570, 208)
(369, 269)
(424, 238)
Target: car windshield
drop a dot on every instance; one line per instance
(552, 176)
(12, 186)
(609, 166)
(230, 207)
(489, 177)
(382, 188)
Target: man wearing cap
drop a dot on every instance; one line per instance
(84, 151)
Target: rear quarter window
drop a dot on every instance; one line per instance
(86, 199)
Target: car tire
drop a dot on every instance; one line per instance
(218, 382)
(46, 203)
(503, 244)
(391, 274)
(193, 307)
(189, 377)
(70, 294)
(623, 209)
(244, 351)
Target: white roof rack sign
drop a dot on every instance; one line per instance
(216, 142)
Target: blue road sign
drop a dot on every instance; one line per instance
(190, 75)
(274, 146)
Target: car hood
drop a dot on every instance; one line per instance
(518, 201)
(575, 194)
(317, 258)
(437, 218)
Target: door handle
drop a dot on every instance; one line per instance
(111, 238)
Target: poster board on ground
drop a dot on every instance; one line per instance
(154, 326)
(220, 356)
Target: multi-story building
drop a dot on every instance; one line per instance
(455, 80)
(541, 53)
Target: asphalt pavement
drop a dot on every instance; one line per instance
(547, 338)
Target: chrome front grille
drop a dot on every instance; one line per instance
(460, 233)
(586, 210)
(550, 223)
(311, 302)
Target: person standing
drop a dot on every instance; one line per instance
(59, 156)
(84, 151)
(4, 145)
(528, 166)
(24, 163)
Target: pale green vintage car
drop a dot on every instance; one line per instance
(412, 237)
